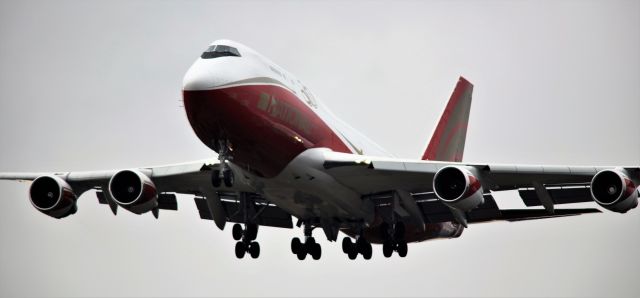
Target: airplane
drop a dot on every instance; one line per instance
(282, 156)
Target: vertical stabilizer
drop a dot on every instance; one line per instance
(447, 142)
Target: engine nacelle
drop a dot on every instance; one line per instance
(133, 191)
(458, 187)
(53, 196)
(614, 190)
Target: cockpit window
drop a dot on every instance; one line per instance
(216, 51)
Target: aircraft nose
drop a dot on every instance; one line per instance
(198, 77)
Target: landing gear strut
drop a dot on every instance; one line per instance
(225, 174)
(246, 236)
(394, 240)
(310, 246)
(246, 243)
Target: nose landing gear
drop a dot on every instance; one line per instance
(225, 174)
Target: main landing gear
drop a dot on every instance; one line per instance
(394, 240)
(360, 246)
(225, 174)
(310, 246)
(245, 238)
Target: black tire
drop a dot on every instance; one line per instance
(402, 249)
(367, 252)
(215, 178)
(302, 253)
(254, 250)
(387, 248)
(353, 253)
(346, 244)
(241, 249)
(316, 251)
(296, 245)
(399, 231)
(236, 232)
(228, 178)
(309, 243)
(252, 232)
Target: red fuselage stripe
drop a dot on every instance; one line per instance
(267, 125)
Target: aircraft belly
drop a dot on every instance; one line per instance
(306, 191)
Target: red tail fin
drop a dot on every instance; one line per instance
(447, 142)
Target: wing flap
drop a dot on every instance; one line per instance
(261, 213)
(560, 194)
(434, 211)
(166, 201)
(531, 214)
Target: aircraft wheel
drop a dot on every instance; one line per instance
(228, 177)
(353, 253)
(254, 249)
(252, 231)
(387, 249)
(236, 232)
(367, 252)
(316, 251)
(241, 249)
(302, 253)
(309, 243)
(215, 178)
(296, 245)
(402, 249)
(361, 245)
(346, 244)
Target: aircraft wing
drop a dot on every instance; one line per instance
(181, 178)
(192, 178)
(368, 174)
(538, 185)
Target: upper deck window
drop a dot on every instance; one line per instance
(216, 51)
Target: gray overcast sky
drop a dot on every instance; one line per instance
(88, 85)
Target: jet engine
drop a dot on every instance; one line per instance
(53, 196)
(614, 190)
(133, 191)
(458, 187)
